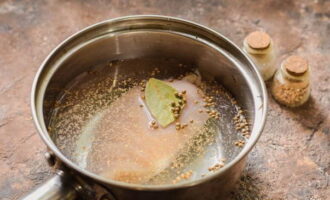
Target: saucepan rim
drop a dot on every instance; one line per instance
(256, 132)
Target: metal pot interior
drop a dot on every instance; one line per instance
(135, 49)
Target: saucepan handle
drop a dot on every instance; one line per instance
(59, 187)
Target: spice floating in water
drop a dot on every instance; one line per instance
(183, 176)
(216, 167)
(241, 124)
(240, 143)
(153, 124)
(120, 139)
(164, 102)
(140, 149)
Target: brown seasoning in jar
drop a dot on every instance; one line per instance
(291, 86)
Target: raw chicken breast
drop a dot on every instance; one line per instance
(127, 149)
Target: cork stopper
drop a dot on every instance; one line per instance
(295, 65)
(258, 40)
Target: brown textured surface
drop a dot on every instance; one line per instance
(292, 159)
(258, 40)
(296, 65)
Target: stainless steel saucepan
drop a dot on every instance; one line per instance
(145, 36)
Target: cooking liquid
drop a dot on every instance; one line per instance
(101, 123)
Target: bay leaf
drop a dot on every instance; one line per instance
(159, 97)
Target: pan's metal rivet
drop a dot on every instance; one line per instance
(50, 158)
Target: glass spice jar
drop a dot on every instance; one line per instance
(259, 46)
(291, 85)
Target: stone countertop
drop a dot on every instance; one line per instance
(292, 159)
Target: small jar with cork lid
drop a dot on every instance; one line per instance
(291, 84)
(259, 46)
